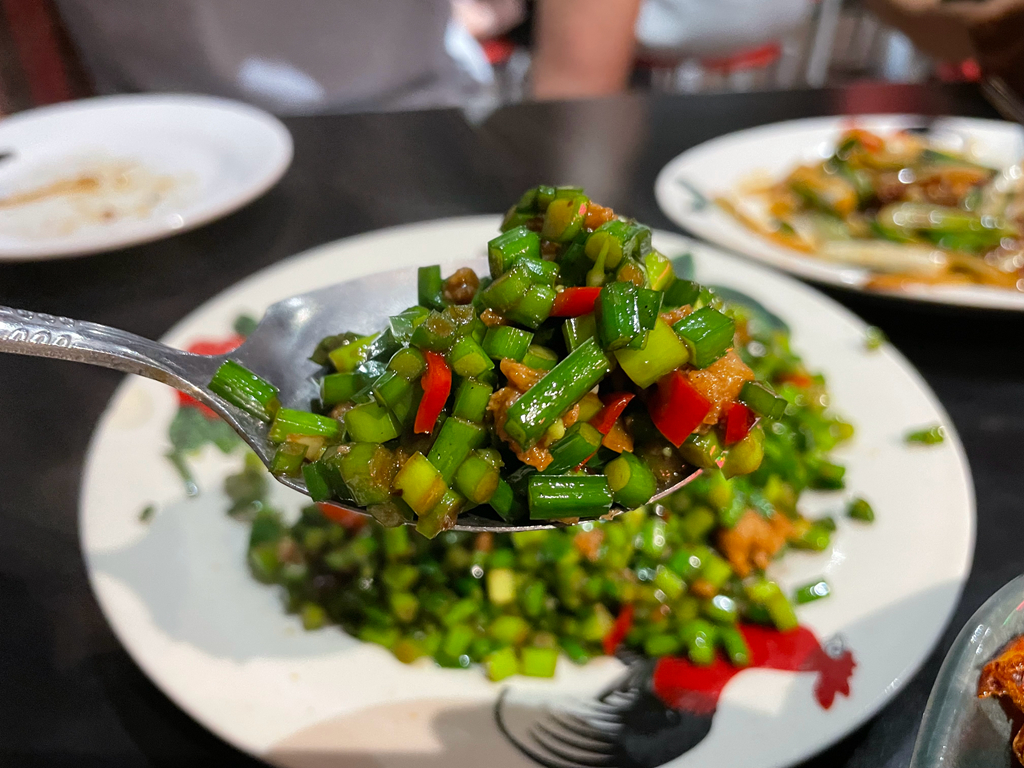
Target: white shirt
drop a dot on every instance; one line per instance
(292, 56)
(716, 27)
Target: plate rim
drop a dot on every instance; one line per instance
(869, 708)
(814, 269)
(269, 123)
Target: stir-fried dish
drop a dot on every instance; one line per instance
(580, 375)
(899, 207)
(679, 578)
(1004, 676)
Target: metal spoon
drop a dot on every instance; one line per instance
(278, 350)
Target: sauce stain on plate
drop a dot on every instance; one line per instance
(92, 192)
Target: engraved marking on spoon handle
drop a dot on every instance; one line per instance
(41, 335)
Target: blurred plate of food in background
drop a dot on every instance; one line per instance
(897, 205)
(105, 173)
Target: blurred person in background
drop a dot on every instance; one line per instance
(582, 48)
(308, 56)
(990, 32)
(716, 28)
(598, 57)
(292, 56)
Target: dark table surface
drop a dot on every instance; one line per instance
(69, 693)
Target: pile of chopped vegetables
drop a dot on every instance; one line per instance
(898, 205)
(671, 579)
(581, 374)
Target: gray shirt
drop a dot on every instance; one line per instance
(291, 56)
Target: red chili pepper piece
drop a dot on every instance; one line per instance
(623, 623)
(573, 302)
(614, 404)
(344, 517)
(676, 408)
(209, 347)
(738, 421)
(187, 401)
(437, 385)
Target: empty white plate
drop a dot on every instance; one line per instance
(114, 171)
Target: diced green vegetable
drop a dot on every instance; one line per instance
(538, 662)
(762, 400)
(768, 595)
(542, 272)
(699, 637)
(437, 333)
(557, 496)
(471, 400)
(533, 413)
(501, 664)
(631, 480)
(420, 484)
(707, 333)
(455, 440)
(404, 323)
(347, 357)
(618, 315)
(244, 389)
(579, 443)
(477, 477)
(291, 422)
(577, 330)
(408, 363)
(659, 271)
(563, 218)
(430, 287)
(927, 436)
(540, 358)
(288, 459)
(859, 509)
(468, 358)
(663, 354)
(735, 646)
(682, 293)
(441, 516)
(371, 423)
(816, 590)
(874, 338)
(534, 307)
(507, 248)
(366, 469)
(508, 290)
(340, 387)
(504, 341)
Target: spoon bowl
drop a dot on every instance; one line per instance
(277, 350)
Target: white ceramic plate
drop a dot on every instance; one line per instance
(717, 167)
(159, 165)
(179, 596)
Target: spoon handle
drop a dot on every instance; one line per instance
(41, 335)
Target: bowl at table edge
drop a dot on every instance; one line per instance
(959, 730)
